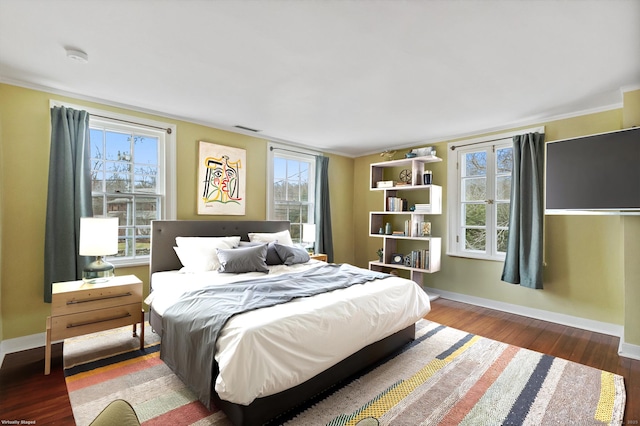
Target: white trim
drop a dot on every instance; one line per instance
(555, 317)
(21, 344)
(628, 350)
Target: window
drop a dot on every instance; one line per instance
(132, 179)
(479, 193)
(291, 190)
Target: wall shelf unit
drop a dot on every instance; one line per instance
(427, 201)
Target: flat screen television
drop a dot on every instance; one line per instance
(597, 173)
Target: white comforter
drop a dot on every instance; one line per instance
(266, 351)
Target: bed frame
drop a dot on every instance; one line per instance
(265, 409)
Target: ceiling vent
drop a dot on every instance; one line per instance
(249, 129)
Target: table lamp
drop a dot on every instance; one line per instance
(98, 237)
(309, 236)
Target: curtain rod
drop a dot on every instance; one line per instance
(271, 148)
(453, 147)
(168, 129)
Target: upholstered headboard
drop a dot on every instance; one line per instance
(164, 233)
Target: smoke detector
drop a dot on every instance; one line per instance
(77, 55)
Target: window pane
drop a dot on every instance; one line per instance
(296, 232)
(98, 206)
(279, 168)
(118, 146)
(503, 235)
(143, 241)
(97, 181)
(145, 150)
(96, 136)
(475, 164)
(475, 239)
(503, 188)
(281, 212)
(504, 160)
(120, 207)
(475, 214)
(146, 210)
(474, 189)
(294, 215)
(125, 242)
(502, 210)
(118, 182)
(145, 183)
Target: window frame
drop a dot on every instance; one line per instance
(166, 182)
(291, 153)
(455, 226)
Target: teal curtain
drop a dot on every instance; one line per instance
(523, 263)
(324, 237)
(69, 196)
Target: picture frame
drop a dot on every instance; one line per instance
(222, 179)
(397, 259)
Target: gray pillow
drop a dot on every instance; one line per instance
(245, 259)
(291, 255)
(272, 255)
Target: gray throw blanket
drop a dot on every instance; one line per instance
(191, 326)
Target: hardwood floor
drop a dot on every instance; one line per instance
(27, 394)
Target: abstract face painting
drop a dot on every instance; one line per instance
(221, 180)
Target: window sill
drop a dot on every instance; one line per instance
(126, 263)
(477, 256)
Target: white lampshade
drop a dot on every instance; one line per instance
(308, 232)
(98, 236)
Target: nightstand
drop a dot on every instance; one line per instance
(319, 256)
(79, 308)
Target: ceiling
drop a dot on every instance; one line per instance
(350, 77)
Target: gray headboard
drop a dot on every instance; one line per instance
(164, 233)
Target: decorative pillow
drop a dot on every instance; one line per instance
(197, 259)
(292, 255)
(282, 237)
(199, 253)
(272, 254)
(245, 259)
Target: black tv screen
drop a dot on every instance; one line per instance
(594, 173)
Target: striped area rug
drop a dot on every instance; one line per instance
(445, 377)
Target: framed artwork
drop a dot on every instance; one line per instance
(222, 178)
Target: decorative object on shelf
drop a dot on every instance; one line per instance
(379, 252)
(407, 261)
(427, 177)
(410, 154)
(425, 229)
(405, 176)
(425, 151)
(388, 154)
(385, 184)
(397, 259)
(381, 231)
(387, 228)
(98, 237)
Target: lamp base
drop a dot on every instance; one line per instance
(98, 271)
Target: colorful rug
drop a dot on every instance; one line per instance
(445, 377)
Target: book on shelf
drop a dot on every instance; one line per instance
(418, 259)
(396, 204)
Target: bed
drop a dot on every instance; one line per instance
(390, 329)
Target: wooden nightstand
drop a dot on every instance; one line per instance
(80, 308)
(319, 256)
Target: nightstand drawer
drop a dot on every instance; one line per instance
(90, 299)
(77, 324)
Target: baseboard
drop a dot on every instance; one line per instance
(21, 344)
(628, 350)
(29, 342)
(568, 320)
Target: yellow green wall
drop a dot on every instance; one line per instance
(25, 139)
(586, 256)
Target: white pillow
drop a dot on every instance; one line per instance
(198, 254)
(197, 259)
(282, 237)
(231, 242)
